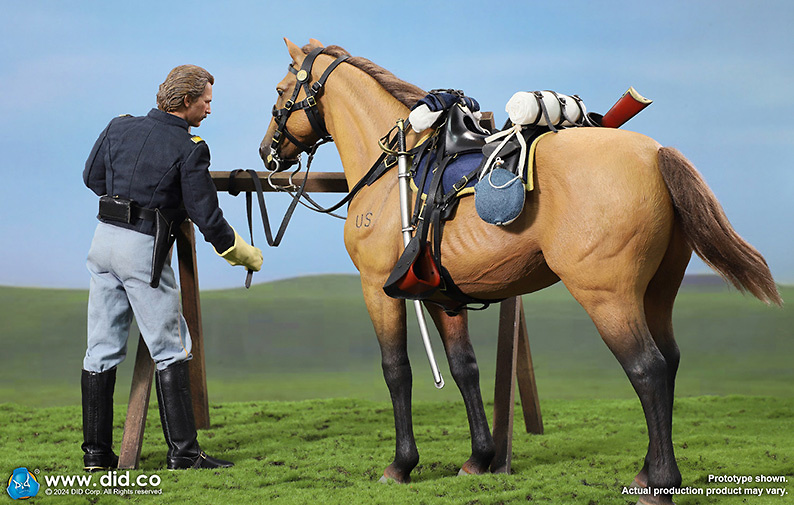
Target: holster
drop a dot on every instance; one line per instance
(166, 223)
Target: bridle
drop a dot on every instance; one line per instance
(308, 105)
(276, 164)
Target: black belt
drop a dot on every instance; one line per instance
(143, 213)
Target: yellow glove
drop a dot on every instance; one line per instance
(242, 254)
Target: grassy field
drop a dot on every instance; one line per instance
(334, 451)
(311, 338)
(299, 403)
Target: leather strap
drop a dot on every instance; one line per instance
(271, 241)
(308, 104)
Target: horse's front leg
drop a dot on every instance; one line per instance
(454, 332)
(388, 318)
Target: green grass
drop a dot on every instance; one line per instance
(334, 451)
(310, 339)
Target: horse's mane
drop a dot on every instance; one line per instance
(407, 93)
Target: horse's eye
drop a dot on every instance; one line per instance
(279, 91)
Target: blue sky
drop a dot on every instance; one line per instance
(720, 74)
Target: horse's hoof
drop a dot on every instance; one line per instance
(640, 480)
(388, 479)
(470, 468)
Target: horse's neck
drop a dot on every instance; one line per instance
(358, 113)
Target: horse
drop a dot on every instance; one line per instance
(614, 216)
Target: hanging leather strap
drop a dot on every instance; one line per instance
(271, 241)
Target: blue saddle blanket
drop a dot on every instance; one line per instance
(457, 169)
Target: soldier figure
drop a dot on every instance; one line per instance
(150, 173)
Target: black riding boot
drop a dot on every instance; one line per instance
(97, 388)
(179, 426)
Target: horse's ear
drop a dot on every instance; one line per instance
(294, 51)
(316, 42)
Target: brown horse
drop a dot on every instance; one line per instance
(614, 216)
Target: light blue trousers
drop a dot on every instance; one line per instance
(120, 262)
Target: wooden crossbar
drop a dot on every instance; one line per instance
(319, 182)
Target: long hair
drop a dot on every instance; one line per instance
(710, 233)
(407, 93)
(182, 81)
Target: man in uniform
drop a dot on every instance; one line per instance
(150, 173)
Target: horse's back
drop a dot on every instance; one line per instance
(599, 203)
(584, 159)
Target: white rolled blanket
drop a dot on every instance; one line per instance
(523, 108)
(422, 118)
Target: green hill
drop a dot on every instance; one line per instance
(312, 338)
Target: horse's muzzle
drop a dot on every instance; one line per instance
(272, 161)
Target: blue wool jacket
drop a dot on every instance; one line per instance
(156, 162)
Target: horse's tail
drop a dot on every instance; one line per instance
(710, 233)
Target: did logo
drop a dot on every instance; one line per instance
(22, 484)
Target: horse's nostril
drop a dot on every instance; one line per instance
(264, 153)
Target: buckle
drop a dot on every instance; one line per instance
(465, 181)
(311, 101)
(288, 104)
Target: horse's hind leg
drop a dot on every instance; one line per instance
(454, 331)
(659, 300)
(620, 320)
(388, 319)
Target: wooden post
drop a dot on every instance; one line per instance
(527, 388)
(504, 385)
(513, 360)
(191, 309)
(143, 373)
(138, 407)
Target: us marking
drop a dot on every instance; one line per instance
(364, 220)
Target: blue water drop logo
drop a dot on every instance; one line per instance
(22, 484)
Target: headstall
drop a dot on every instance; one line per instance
(308, 105)
(277, 164)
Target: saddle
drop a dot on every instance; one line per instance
(445, 168)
